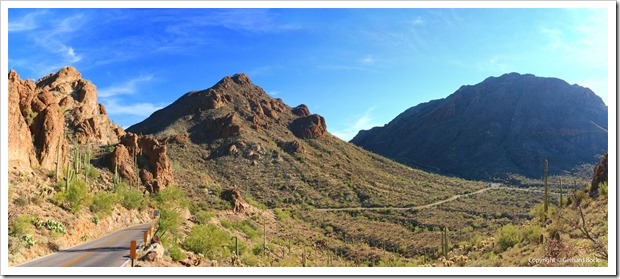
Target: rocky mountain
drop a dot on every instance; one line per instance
(503, 125)
(59, 113)
(235, 135)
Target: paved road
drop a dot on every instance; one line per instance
(110, 250)
(493, 186)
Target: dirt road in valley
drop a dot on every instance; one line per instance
(494, 186)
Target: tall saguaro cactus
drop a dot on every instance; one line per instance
(561, 194)
(444, 241)
(546, 201)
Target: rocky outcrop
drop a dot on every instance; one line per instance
(309, 127)
(145, 156)
(301, 110)
(292, 147)
(236, 200)
(599, 175)
(21, 152)
(223, 127)
(59, 104)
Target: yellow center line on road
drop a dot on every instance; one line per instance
(78, 259)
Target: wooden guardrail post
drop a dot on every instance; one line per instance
(132, 251)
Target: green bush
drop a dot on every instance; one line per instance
(207, 240)
(74, 197)
(508, 236)
(203, 217)
(603, 188)
(91, 171)
(20, 225)
(175, 252)
(531, 233)
(281, 214)
(103, 203)
(226, 224)
(169, 221)
(246, 227)
(132, 198)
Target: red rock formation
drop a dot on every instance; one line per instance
(153, 162)
(59, 101)
(223, 127)
(309, 127)
(21, 151)
(301, 110)
(599, 175)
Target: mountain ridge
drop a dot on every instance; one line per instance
(505, 115)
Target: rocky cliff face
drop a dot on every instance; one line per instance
(49, 114)
(506, 124)
(59, 111)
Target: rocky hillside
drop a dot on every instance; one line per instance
(507, 124)
(235, 135)
(59, 113)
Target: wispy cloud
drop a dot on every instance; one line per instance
(273, 93)
(125, 88)
(360, 122)
(583, 37)
(367, 60)
(143, 109)
(26, 23)
(495, 63)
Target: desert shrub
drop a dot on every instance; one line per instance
(226, 224)
(20, 225)
(579, 195)
(175, 252)
(247, 228)
(258, 249)
(531, 233)
(203, 217)
(281, 214)
(132, 198)
(207, 240)
(103, 203)
(169, 221)
(603, 188)
(508, 236)
(91, 171)
(74, 197)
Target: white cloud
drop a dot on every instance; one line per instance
(115, 107)
(361, 122)
(273, 93)
(418, 21)
(367, 60)
(495, 64)
(126, 88)
(25, 23)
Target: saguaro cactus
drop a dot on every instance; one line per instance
(444, 241)
(561, 194)
(546, 201)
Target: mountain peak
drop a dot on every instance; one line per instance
(506, 124)
(240, 79)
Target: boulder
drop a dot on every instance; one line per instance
(223, 127)
(309, 127)
(301, 110)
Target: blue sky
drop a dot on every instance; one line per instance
(358, 68)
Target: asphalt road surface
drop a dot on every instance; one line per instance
(110, 250)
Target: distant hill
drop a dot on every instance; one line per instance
(507, 124)
(235, 135)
